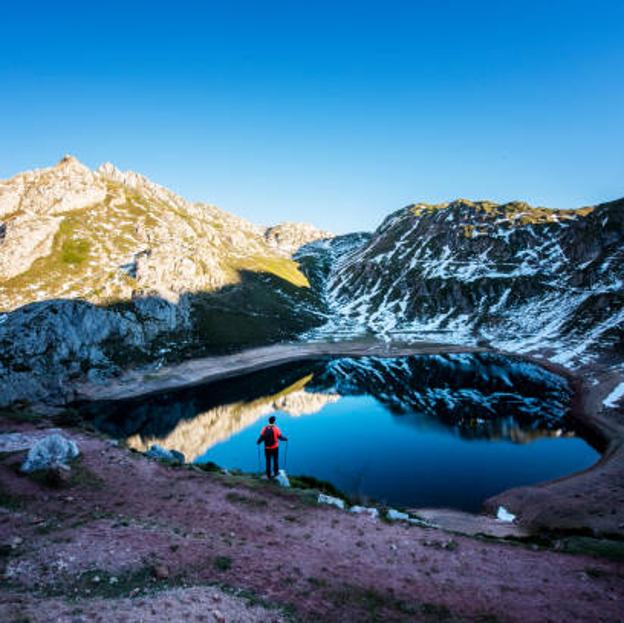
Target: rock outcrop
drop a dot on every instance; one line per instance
(32, 206)
(290, 237)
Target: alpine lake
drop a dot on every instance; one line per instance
(442, 431)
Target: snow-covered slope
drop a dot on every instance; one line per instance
(520, 278)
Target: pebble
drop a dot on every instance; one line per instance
(16, 541)
(218, 616)
(161, 572)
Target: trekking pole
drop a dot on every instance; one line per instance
(259, 463)
(286, 458)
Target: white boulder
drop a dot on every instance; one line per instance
(332, 501)
(282, 479)
(365, 510)
(395, 515)
(504, 515)
(51, 452)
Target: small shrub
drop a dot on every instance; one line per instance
(310, 482)
(223, 563)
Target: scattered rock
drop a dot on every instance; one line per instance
(365, 510)
(395, 515)
(51, 452)
(502, 514)
(332, 501)
(16, 541)
(12, 442)
(158, 452)
(282, 479)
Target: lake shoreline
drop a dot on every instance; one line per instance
(591, 501)
(139, 382)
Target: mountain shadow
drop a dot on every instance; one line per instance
(48, 346)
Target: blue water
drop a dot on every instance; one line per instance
(362, 448)
(444, 431)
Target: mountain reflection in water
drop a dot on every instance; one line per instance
(383, 427)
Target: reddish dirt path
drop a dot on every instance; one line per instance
(124, 514)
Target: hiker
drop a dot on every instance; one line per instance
(271, 435)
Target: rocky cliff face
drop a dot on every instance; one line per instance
(520, 278)
(101, 269)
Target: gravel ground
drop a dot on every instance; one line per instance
(128, 538)
(207, 604)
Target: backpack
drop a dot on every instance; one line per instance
(269, 436)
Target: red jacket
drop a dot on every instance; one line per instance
(278, 435)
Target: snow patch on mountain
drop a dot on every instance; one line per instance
(522, 279)
(611, 401)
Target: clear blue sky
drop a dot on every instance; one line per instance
(324, 111)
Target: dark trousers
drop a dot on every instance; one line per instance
(269, 455)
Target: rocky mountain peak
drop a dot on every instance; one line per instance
(68, 160)
(290, 237)
(109, 234)
(108, 171)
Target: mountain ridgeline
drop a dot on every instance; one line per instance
(103, 270)
(512, 276)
